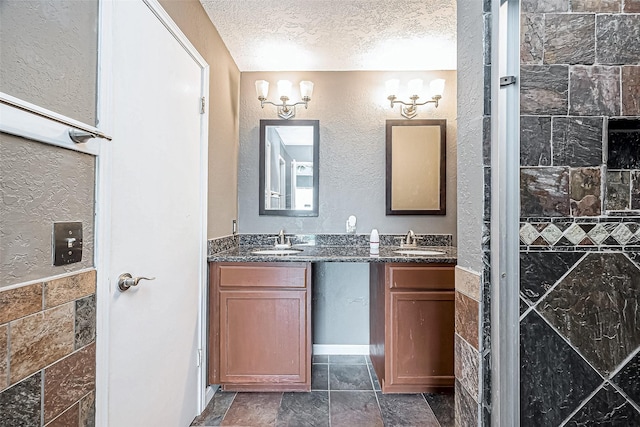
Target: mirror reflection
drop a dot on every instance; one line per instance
(416, 167)
(289, 167)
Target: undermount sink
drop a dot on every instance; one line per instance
(276, 251)
(422, 252)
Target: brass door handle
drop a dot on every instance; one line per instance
(126, 280)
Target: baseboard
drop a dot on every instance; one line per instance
(340, 349)
(208, 395)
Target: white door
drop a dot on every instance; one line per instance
(157, 220)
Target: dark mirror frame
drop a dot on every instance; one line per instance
(443, 166)
(316, 168)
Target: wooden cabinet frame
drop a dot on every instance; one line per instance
(412, 327)
(253, 306)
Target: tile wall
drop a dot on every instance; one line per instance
(579, 262)
(467, 347)
(473, 291)
(47, 352)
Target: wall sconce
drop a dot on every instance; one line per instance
(408, 109)
(285, 111)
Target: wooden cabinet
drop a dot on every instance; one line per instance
(260, 326)
(412, 326)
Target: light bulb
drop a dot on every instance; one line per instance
(284, 88)
(306, 89)
(392, 87)
(436, 87)
(262, 88)
(415, 87)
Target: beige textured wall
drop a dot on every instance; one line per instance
(41, 184)
(352, 109)
(49, 55)
(224, 83)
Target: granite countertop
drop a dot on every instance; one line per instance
(336, 254)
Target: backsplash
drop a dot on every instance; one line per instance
(579, 271)
(228, 242)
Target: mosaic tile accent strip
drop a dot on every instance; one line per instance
(597, 308)
(572, 235)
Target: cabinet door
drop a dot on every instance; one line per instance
(263, 336)
(421, 328)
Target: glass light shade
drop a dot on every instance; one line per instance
(306, 89)
(284, 88)
(262, 88)
(392, 87)
(415, 87)
(436, 87)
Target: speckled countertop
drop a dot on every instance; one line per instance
(344, 252)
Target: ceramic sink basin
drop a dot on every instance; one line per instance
(422, 252)
(276, 251)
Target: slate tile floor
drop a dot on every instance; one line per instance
(345, 392)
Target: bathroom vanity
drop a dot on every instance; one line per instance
(260, 330)
(260, 318)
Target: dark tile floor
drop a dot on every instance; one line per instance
(344, 392)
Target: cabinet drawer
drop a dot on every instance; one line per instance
(257, 275)
(431, 277)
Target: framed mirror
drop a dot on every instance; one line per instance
(416, 167)
(289, 167)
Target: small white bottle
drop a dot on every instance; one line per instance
(374, 242)
(351, 224)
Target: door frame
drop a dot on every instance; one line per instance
(505, 215)
(105, 285)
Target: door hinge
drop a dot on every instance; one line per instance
(199, 361)
(202, 104)
(507, 80)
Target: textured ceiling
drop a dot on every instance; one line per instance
(337, 35)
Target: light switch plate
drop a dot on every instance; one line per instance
(67, 242)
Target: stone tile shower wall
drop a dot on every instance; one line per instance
(579, 261)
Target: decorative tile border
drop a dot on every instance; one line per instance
(605, 233)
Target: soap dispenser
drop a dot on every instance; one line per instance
(351, 224)
(374, 242)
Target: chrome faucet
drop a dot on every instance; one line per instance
(410, 240)
(280, 239)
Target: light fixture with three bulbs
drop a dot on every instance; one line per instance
(409, 109)
(285, 111)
